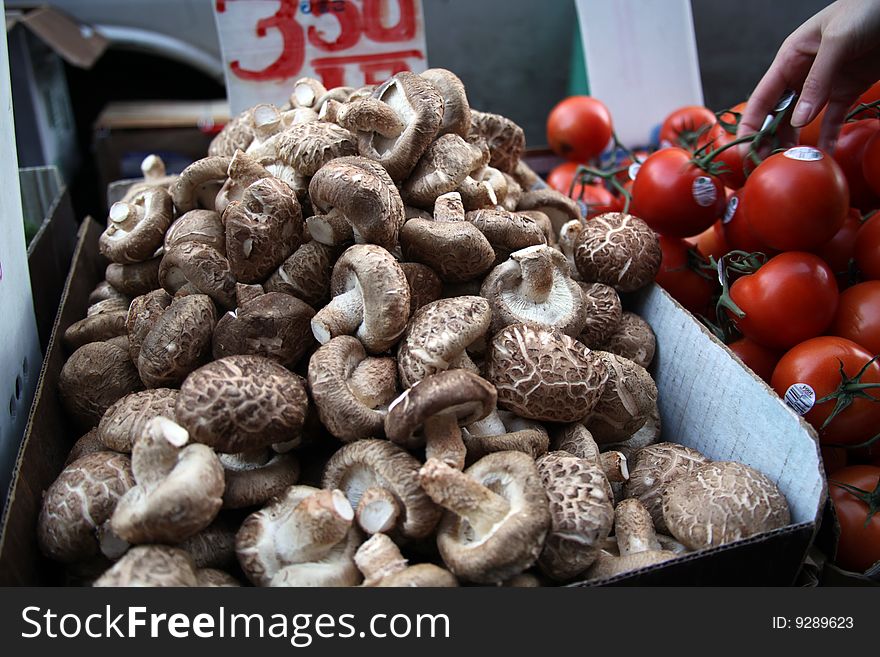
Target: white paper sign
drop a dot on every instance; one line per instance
(641, 61)
(268, 44)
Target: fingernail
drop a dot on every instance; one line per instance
(801, 113)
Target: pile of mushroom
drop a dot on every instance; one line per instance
(361, 344)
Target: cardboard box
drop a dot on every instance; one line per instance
(707, 400)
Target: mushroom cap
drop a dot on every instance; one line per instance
(515, 541)
(274, 325)
(307, 146)
(424, 285)
(202, 266)
(88, 443)
(369, 277)
(178, 491)
(420, 575)
(136, 278)
(366, 200)
(242, 402)
(533, 287)
(105, 320)
(151, 565)
(609, 565)
(255, 481)
(78, 502)
(179, 342)
(237, 134)
(94, 377)
(438, 335)
(461, 393)
(627, 400)
(143, 313)
(104, 291)
(442, 168)
(556, 205)
(655, 467)
(506, 139)
(633, 339)
(456, 250)
(619, 250)
(203, 226)
(335, 568)
(507, 231)
(543, 374)
(721, 502)
(195, 177)
(581, 512)
(137, 228)
(603, 311)
(519, 435)
(262, 229)
(456, 109)
(348, 405)
(363, 464)
(306, 274)
(213, 547)
(211, 577)
(126, 420)
(420, 106)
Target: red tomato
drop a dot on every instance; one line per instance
(686, 286)
(761, 360)
(596, 200)
(674, 196)
(858, 316)
(711, 242)
(834, 458)
(870, 96)
(871, 163)
(849, 152)
(561, 176)
(867, 249)
(811, 371)
(734, 176)
(579, 128)
(859, 545)
(839, 250)
(682, 126)
(790, 299)
(796, 200)
(736, 229)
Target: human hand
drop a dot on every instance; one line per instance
(832, 58)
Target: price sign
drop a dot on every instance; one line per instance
(268, 44)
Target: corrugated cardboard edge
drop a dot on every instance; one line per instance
(41, 455)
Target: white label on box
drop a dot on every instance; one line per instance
(704, 191)
(269, 44)
(800, 397)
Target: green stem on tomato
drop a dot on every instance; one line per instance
(870, 498)
(862, 107)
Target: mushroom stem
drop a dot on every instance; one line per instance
(377, 558)
(267, 120)
(341, 316)
(633, 528)
(377, 511)
(331, 229)
(464, 496)
(537, 274)
(125, 216)
(443, 440)
(449, 207)
(614, 466)
(244, 170)
(313, 527)
(153, 168)
(156, 452)
(491, 425)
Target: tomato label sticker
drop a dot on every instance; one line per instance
(704, 191)
(804, 153)
(633, 170)
(800, 397)
(732, 205)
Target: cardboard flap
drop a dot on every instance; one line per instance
(79, 45)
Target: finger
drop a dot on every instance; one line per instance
(817, 85)
(762, 101)
(835, 115)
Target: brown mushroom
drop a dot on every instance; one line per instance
(274, 325)
(721, 502)
(633, 338)
(306, 147)
(93, 378)
(506, 231)
(364, 114)
(143, 313)
(619, 250)
(350, 389)
(104, 291)
(505, 138)
(627, 400)
(370, 299)
(545, 375)
(306, 274)
(201, 266)
(654, 468)
(254, 477)
(331, 229)
(604, 312)
(456, 250)
(104, 320)
(424, 285)
(307, 92)
(503, 431)
(438, 335)
(370, 464)
(432, 412)
(456, 109)
(441, 169)
(382, 564)
(88, 443)
(210, 170)
(214, 546)
(211, 577)
(178, 491)
(576, 439)
(497, 515)
(134, 279)
(179, 342)
(237, 134)
(556, 205)
(137, 228)
(581, 513)
(126, 420)
(203, 226)
(78, 503)
(239, 403)
(151, 566)
(243, 171)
